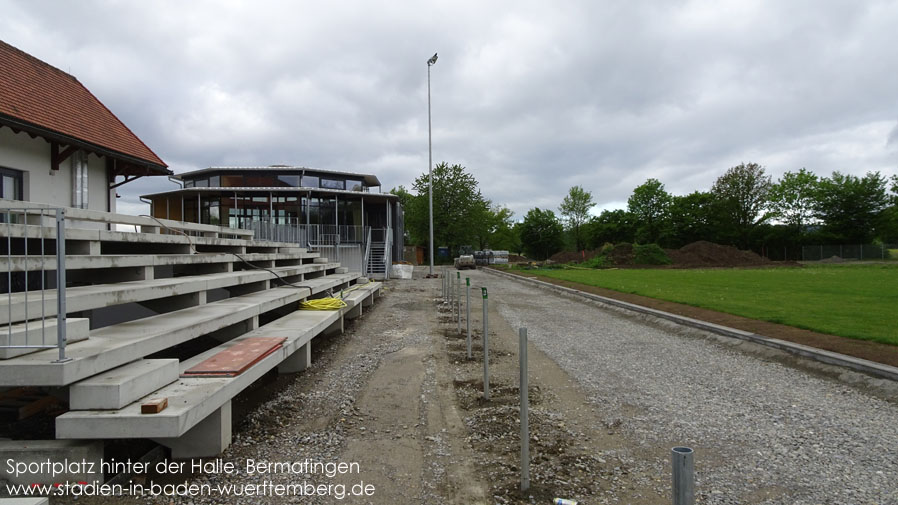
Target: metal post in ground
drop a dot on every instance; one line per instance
(525, 408)
(468, 311)
(458, 301)
(486, 348)
(683, 476)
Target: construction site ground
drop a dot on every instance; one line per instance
(610, 393)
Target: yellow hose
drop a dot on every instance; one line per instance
(322, 304)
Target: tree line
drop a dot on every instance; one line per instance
(744, 207)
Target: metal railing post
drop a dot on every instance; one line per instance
(458, 300)
(525, 414)
(468, 311)
(683, 476)
(486, 348)
(60, 283)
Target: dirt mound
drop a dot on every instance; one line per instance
(709, 254)
(622, 254)
(572, 256)
(514, 258)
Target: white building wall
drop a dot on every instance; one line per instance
(19, 151)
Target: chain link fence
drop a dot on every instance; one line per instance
(869, 252)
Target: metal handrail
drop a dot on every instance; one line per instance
(367, 253)
(28, 214)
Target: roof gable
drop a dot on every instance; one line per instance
(39, 94)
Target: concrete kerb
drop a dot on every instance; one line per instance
(823, 356)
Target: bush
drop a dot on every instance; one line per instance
(598, 261)
(650, 254)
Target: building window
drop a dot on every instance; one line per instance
(353, 185)
(289, 180)
(331, 184)
(215, 181)
(10, 184)
(232, 181)
(201, 183)
(309, 181)
(188, 183)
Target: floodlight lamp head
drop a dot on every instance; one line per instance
(432, 60)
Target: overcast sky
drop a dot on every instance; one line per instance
(532, 97)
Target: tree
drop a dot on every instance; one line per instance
(740, 196)
(691, 218)
(650, 205)
(611, 226)
(793, 198)
(541, 234)
(458, 208)
(406, 200)
(503, 234)
(575, 210)
(850, 206)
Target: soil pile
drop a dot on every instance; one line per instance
(622, 254)
(708, 254)
(572, 256)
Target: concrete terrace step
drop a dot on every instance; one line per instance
(362, 297)
(18, 263)
(116, 345)
(120, 386)
(106, 295)
(77, 329)
(192, 399)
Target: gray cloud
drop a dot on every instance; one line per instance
(532, 97)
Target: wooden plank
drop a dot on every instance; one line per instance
(154, 406)
(236, 359)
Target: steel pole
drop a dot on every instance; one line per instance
(60, 285)
(525, 407)
(430, 166)
(683, 476)
(468, 311)
(458, 300)
(486, 348)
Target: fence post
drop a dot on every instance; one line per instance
(60, 284)
(458, 301)
(525, 414)
(468, 311)
(486, 348)
(683, 476)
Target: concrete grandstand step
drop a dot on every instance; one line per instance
(106, 295)
(123, 385)
(116, 345)
(77, 329)
(95, 235)
(18, 263)
(192, 399)
(360, 297)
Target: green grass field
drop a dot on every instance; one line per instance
(856, 301)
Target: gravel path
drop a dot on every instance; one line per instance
(764, 432)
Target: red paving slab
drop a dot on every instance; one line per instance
(236, 359)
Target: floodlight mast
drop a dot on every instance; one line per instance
(430, 63)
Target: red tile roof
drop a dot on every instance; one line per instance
(41, 95)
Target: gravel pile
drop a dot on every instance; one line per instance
(763, 432)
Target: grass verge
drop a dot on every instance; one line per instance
(855, 301)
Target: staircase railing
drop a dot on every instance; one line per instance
(365, 259)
